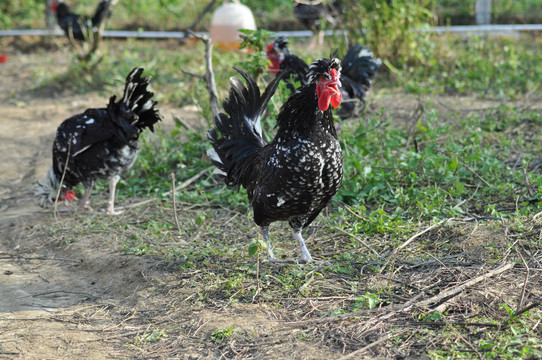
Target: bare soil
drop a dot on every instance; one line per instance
(86, 299)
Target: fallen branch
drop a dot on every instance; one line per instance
(180, 121)
(411, 239)
(389, 309)
(131, 333)
(174, 202)
(62, 178)
(413, 302)
(358, 239)
(4, 256)
(456, 323)
(475, 174)
(525, 309)
(355, 354)
(458, 289)
(524, 288)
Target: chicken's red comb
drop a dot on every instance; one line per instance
(69, 195)
(54, 5)
(334, 74)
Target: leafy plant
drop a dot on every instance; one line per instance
(151, 336)
(222, 335)
(366, 301)
(450, 64)
(255, 41)
(390, 28)
(256, 246)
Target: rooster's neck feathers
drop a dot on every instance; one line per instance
(300, 116)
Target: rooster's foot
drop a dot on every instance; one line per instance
(281, 261)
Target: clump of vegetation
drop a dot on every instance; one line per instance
(391, 28)
(255, 41)
(503, 68)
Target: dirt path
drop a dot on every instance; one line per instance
(56, 301)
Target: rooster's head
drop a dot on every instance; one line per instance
(54, 6)
(326, 74)
(276, 52)
(47, 190)
(275, 57)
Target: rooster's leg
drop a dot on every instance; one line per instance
(305, 254)
(112, 186)
(270, 255)
(265, 234)
(82, 203)
(321, 38)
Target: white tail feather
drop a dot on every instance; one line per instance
(47, 189)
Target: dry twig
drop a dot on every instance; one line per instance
(174, 202)
(207, 9)
(355, 354)
(209, 74)
(411, 239)
(62, 178)
(189, 181)
(358, 239)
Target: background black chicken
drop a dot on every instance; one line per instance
(295, 176)
(290, 64)
(79, 27)
(311, 13)
(100, 143)
(359, 67)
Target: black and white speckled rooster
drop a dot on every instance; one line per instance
(76, 26)
(100, 143)
(295, 176)
(359, 67)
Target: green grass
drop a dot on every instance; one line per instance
(107, 70)
(442, 164)
(502, 68)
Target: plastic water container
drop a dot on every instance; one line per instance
(227, 20)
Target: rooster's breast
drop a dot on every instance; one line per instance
(299, 178)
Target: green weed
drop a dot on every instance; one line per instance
(222, 335)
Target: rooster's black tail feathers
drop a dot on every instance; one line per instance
(136, 110)
(241, 131)
(103, 10)
(360, 65)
